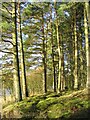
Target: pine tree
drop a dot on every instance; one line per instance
(87, 15)
(23, 71)
(16, 59)
(52, 48)
(59, 50)
(75, 35)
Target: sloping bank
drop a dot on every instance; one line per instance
(71, 105)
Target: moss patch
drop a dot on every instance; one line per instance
(50, 106)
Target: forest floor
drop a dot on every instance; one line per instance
(66, 105)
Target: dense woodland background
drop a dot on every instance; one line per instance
(44, 47)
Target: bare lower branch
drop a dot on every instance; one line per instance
(8, 41)
(6, 52)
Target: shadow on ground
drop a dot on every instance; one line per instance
(83, 114)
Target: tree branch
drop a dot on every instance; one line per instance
(7, 52)
(8, 41)
(6, 9)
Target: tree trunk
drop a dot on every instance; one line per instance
(80, 84)
(75, 35)
(59, 52)
(62, 73)
(17, 86)
(73, 54)
(87, 14)
(52, 47)
(23, 72)
(44, 57)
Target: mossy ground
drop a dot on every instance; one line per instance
(70, 105)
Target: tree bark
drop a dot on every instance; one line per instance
(75, 37)
(44, 57)
(52, 47)
(23, 71)
(17, 86)
(59, 51)
(86, 26)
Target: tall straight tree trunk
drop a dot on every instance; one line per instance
(52, 47)
(44, 57)
(81, 67)
(15, 72)
(23, 72)
(59, 51)
(17, 86)
(46, 49)
(87, 14)
(73, 53)
(81, 61)
(62, 78)
(75, 35)
(62, 73)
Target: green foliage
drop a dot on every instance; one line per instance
(44, 104)
(55, 111)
